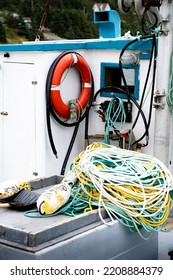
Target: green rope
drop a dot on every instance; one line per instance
(115, 117)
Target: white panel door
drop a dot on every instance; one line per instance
(19, 125)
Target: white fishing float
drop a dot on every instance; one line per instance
(52, 199)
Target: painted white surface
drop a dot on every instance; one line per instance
(162, 125)
(29, 151)
(19, 127)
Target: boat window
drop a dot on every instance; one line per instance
(111, 76)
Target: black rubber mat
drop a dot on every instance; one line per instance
(23, 200)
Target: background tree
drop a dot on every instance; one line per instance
(70, 19)
(2, 34)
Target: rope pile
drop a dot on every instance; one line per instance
(132, 187)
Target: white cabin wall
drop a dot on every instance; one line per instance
(45, 162)
(96, 124)
(1, 125)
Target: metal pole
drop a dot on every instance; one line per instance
(162, 114)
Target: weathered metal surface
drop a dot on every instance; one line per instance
(64, 237)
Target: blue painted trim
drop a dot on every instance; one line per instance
(135, 95)
(96, 44)
(144, 56)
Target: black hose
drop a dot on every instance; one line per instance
(147, 77)
(153, 51)
(69, 149)
(152, 90)
(50, 111)
(121, 67)
(121, 54)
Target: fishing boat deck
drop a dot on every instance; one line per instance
(64, 237)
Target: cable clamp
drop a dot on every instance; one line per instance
(158, 103)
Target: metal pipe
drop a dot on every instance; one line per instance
(162, 114)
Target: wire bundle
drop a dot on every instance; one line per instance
(132, 187)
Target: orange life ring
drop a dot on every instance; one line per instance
(69, 60)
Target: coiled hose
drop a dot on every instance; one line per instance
(50, 111)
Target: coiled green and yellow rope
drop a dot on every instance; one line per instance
(132, 187)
